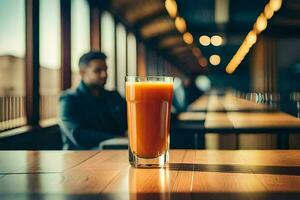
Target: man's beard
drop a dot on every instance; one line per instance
(98, 86)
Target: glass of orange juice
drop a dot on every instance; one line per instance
(149, 102)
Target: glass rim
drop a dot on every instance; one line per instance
(132, 76)
(149, 79)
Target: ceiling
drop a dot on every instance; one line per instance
(151, 20)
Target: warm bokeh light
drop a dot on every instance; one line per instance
(251, 38)
(188, 38)
(275, 4)
(180, 24)
(233, 64)
(216, 40)
(261, 23)
(215, 60)
(202, 62)
(196, 52)
(170, 41)
(238, 57)
(230, 69)
(243, 50)
(204, 40)
(268, 11)
(171, 7)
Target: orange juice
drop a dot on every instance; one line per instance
(149, 110)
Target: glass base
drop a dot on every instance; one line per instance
(158, 162)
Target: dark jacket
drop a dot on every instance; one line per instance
(86, 120)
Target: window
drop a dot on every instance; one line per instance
(108, 46)
(12, 64)
(80, 35)
(121, 58)
(50, 51)
(131, 55)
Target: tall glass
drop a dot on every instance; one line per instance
(149, 102)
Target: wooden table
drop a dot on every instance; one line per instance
(192, 174)
(227, 103)
(236, 122)
(228, 114)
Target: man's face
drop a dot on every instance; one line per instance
(95, 74)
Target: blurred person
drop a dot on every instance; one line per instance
(179, 101)
(91, 114)
(192, 92)
(186, 91)
(203, 83)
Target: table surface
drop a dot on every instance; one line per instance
(238, 114)
(227, 103)
(191, 174)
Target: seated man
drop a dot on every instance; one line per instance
(91, 114)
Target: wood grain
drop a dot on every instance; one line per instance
(191, 174)
(217, 120)
(257, 125)
(41, 161)
(192, 116)
(214, 103)
(233, 103)
(199, 104)
(278, 119)
(225, 103)
(235, 116)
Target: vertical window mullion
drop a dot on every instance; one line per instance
(65, 14)
(32, 62)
